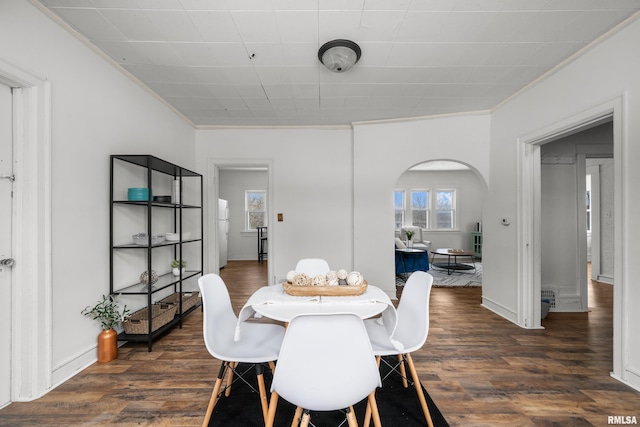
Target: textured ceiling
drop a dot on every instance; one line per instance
(254, 62)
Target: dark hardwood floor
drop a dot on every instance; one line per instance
(480, 369)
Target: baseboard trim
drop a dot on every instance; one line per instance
(634, 385)
(500, 310)
(66, 370)
(605, 279)
(72, 366)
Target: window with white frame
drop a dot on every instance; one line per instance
(398, 202)
(420, 208)
(255, 209)
(445, 209)
(431, 209)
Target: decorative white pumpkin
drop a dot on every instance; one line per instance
(290, 276)
(333, 281)
(354, 279)
(342, 274)
(301, 279)
(319, 280)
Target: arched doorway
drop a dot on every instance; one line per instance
(442, 200)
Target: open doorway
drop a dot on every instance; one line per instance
(566, 214)
(530, 218)
(237, 183)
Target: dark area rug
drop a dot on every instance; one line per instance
(397, 406)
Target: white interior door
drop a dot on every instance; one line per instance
(6, 209)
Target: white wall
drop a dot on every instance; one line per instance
(604, 76)
(96, 111)
(311, 175)
(232, 186)
(469, 195)
(382, 152)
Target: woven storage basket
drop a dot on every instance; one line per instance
(138, 322)
(189, 299)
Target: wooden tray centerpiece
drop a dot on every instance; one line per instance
(335, 283)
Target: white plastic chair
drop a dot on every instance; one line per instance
(411, 332)
(260, 342)
(312, 266)
(325, 364)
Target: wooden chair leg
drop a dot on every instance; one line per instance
(403, 371)
(263, 392)
(272, 366)
(367, 416)
(351, 417)
(305, 419)
(214, 395)
(296, 417)
(418, 385)
(372, 406)
(367, 413)
(272, 410)
(227, 391)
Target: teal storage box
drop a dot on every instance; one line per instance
(135, 194)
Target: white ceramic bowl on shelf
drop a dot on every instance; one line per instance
(174, 237)
(143, 240)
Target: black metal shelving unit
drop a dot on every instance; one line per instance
(145, 211)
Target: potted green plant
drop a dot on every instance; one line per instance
(177, 265)
(409, 234)
(109, 315)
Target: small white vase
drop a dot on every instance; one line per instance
(176, 271)
(410, 243)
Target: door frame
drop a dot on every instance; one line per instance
(594, 171)
(31, 302)
(529, 228)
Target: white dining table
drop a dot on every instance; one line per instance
(274, 303)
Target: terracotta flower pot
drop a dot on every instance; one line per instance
(107, 346)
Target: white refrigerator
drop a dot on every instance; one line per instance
(223, 231)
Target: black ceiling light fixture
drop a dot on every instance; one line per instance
(339, 55)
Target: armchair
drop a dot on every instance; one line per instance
(418, 242)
